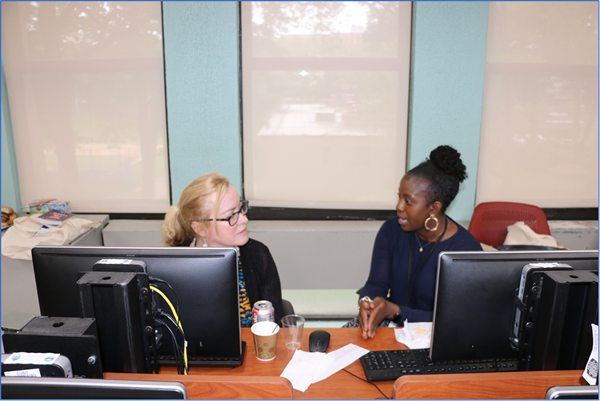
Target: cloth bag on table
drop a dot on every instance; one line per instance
(19, 239)
(521, 234)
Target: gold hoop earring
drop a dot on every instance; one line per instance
(437, 223)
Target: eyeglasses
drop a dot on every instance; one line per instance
(233, 219)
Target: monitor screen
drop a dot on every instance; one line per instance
(79, 389)
(475, 299)
(205, 281)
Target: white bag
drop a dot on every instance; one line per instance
(19, 239)
(521, 234)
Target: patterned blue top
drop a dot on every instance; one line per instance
(245, 307)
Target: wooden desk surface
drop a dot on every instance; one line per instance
(503, 385)
(341, 385)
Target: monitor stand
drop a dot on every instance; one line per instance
(207, 361)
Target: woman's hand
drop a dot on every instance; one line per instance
(372, 313)
(365, 308)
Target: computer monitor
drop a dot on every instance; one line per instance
(573, 392)
(205, 281)
(37, 388)
(475, 299)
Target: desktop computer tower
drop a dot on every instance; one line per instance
(559, 333)
(121, 303)
(75, 338)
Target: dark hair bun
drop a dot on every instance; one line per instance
(448, 160)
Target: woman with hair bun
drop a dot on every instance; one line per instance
(401, 283)
(211, 213)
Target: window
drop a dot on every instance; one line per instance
(539, 141)
(86, 88)
(325, 102)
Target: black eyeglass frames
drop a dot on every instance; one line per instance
(235, 216)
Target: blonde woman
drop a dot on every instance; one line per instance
(211, 213)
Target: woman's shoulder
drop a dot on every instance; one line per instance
(254, 246)
(257, 254)
(464, 240)
(462, 231)
(253, 242)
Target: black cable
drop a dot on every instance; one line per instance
(157, 310)
(179, 330)
(172, 320)
(177, 350)
(176, 346)
(158, 280)
(183, 341)
(176, 322)
(358, 377)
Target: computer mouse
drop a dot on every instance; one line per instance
(318, 341)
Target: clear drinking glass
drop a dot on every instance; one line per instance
(293, 326)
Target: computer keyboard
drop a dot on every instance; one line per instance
(390, 365)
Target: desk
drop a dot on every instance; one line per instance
(343, 385)
(505, 385)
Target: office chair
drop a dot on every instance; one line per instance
(288, 308)
(490, 219)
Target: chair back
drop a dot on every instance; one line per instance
(490, 219)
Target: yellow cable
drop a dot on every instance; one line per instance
(185, 358)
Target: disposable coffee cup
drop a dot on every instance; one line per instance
(293, 326)
(265, 340)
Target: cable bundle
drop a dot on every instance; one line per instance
(172, 323)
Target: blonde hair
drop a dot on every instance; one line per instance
(177, 226)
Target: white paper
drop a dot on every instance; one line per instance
(306, 368)
(24, 373)
(590, 373)
(414, 335)
(341, 358)
(303, 368)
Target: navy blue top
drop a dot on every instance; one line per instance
(389, 268)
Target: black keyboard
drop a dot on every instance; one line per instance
(390, 365)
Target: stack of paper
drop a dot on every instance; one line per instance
(306, 368)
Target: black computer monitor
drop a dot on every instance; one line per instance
(475, 299)
(38, 388)
(205, 281)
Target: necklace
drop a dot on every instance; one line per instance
(421, 247)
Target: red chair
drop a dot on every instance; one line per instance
(490, 220)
